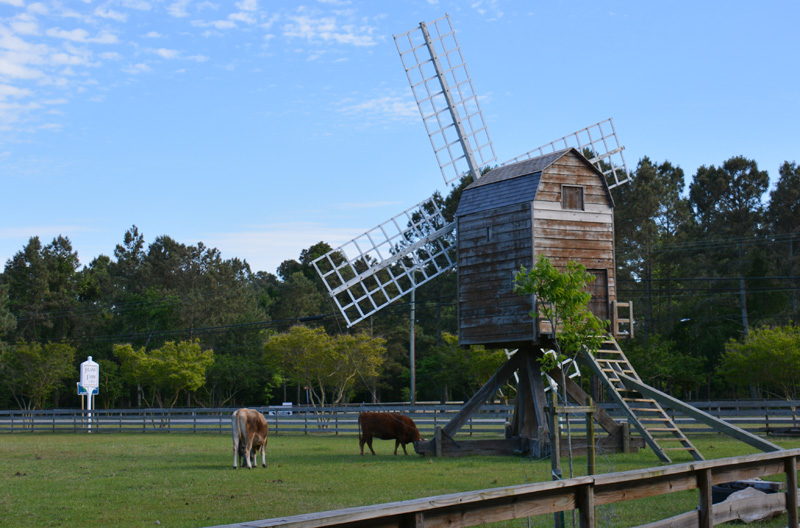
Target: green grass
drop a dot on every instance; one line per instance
(186, 480)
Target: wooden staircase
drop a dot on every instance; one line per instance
(644, 414)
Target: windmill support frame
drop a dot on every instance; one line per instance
(528, 432)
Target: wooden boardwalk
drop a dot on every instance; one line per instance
(474, 508)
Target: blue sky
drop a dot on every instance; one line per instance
(261, 127)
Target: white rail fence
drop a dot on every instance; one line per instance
(754, 416)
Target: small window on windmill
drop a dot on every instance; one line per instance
(572, 197)
(488, 233)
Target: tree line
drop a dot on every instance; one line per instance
(707, 264)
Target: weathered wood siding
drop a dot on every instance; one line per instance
(584, 236)
(492, 245)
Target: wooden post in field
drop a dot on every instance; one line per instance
(705, 511)
(591, 455)
(790, 465)
(555, 451)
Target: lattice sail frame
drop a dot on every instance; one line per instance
(442, 87)
(600, 141)
(388, 261)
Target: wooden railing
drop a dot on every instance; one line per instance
(582, 493)
(753, 416)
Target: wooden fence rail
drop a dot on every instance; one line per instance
(753, 416)
(581, 493)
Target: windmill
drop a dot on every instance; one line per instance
(529, 205)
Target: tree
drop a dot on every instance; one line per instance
(166, 372)
(7, 320)
(450, 372)
(328, 367)
(783, 212)
(33, 372)
(666, 366)
(769, 357)
(727, 199)
(562, 299)
(783, 216)
(43, 291)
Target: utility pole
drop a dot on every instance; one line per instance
(743, 293)
(411, 350)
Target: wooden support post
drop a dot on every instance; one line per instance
(555, 451)
(790, 465)
(705, 510)
(626, 437)
(585, 501)
(437, 441)
(591, 454)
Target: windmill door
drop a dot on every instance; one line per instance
(598, 304)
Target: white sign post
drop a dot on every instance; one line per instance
(89, 385)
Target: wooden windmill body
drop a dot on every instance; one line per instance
(558, 206)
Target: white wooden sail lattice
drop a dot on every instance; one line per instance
(598, 142)
(438, 76)
(388, 261)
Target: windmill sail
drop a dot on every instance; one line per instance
(438, 76)
(388, 261)
(600, 142)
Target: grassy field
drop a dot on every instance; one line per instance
(186, 480)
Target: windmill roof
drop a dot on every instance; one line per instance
(520, 181)
(484, 197)
(520, 168)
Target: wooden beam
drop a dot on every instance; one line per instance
(721, 426)
(585, 502)
(580, 397)
(705, 511)
(791, 490)
(513, 502)
(484, 393)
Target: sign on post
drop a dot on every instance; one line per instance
(89, 385)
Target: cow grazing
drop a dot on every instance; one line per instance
(386, 426)
(249, 429)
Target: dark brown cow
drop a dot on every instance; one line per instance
(386, 426)
(249, 429)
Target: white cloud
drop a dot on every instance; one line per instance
(7, 91)
(153, 34)
(81, 35)
(247, 5)
(139, 5)
(136, 69)
(104, 12)
(38, 9)
(165, 53)
(178, 8)
(381, 108)
(326, 29)
(25, 24)
(15, 3)
(242, 16)
(197, 58)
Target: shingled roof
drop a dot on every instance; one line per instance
(520, 168)
(520, 183)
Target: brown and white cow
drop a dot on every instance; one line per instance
(249, 429)
(386, 426)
